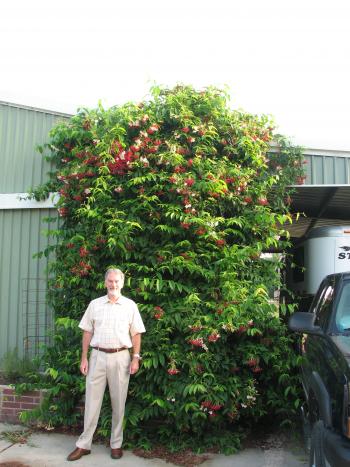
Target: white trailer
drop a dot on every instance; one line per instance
(326, 250)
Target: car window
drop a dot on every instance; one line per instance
(342, 317)
(324, 306)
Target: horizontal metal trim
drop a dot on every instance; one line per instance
(22, 201)
(36, 109)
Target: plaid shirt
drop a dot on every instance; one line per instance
(112, 324)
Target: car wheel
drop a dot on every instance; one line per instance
(317, 457)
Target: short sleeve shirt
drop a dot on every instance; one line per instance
(112, 324)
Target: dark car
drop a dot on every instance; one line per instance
(325, 347)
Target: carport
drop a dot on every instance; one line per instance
(324, 199)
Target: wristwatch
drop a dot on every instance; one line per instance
(136, 355)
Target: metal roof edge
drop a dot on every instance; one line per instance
(274, 147)
(35, 109)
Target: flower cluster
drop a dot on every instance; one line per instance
(211, 408)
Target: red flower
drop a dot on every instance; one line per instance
(185, 129)
(63, 212)
(70, 245)
(221, 242)
(196, 328)
(197, 342)
(190, 162)
(262, 202)
(252, 362)
(184, 255)
(173, 371)
(179, 169)
(83, 252)
(172, 179)
(200, 231)
(248, 199)
(182, 151)
(134, 148)
(185, 225)
(213, 337)
(152, 129)
(189, 181)
(301, 180)
(159, 312)
(257, 369)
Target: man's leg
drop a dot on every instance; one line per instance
(95, 388)
(118, 374)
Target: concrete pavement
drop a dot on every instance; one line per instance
(51, 449)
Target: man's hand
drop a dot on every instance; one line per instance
(134, 367)
(84, 366)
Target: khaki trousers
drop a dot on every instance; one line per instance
(103, 367)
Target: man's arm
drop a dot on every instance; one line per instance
(84, 364)
(136, 347)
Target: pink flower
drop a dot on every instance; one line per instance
(173, 371)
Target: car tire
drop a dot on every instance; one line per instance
(317, 457)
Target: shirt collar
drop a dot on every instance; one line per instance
(118, 302)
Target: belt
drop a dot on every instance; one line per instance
(110, 350)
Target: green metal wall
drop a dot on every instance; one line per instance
(21, 130)
(24, 315)
(327, 168)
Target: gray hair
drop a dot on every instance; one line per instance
(116, 271)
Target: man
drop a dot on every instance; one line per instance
(111, 325)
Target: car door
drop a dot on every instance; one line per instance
(316, 350)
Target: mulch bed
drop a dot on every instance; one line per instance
(185, 458)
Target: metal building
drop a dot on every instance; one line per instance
(24, 316)
(324, 198)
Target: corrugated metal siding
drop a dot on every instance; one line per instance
(327, 169)
(23, 306)
(24, 315)
(21, 130)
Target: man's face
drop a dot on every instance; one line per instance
(114, 283)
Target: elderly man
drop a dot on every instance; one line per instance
(111, 325)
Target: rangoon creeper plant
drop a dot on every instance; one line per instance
(184, 195)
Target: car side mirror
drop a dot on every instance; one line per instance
(304, 323)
